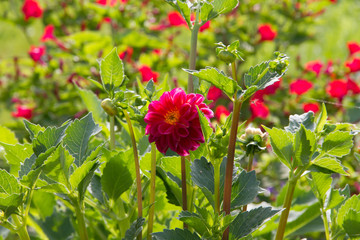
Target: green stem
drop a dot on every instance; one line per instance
(193, 47)
(287, 205)
(137, 168)
(112, 133)
(152, 190)
(233, 68)
(249, 167)
(81, 220)
(183, 186)
(21, 228)
(326, 224)
(217, 186)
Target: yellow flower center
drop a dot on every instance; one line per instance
(172, 117)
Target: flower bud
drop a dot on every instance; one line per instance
(253, 140)
(226, 56)
(109, 107)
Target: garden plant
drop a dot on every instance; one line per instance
(179, 120)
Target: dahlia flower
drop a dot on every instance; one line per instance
(173, 121)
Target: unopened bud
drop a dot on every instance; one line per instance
(226, 56)
(109, 107)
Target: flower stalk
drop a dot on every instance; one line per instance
(21, 228)
(81, 221)
(183, 186)
(193, 47)
(217, 186)
(152, 190)
(137, 168)
(249, 167)
(112, 133)
(326, 224)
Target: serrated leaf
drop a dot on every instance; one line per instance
(116, 177)
(222, 7)
(176, 234)
(304, 146)
(26, 166)
(80, 173)
(33, 129)
(30, 178)
(111, 71)
(247, 222)
(205, 10)
(245, 188)
(96, 188)
(135, 229)
(218, 79)
(78, 135)
(10, 203)
(173, 192)
(247, 93)
(55, 188)
(320, 184)
(295, 121)
(15, 155)
(202, 174)
(337, 144)
(8, 183)
(45, 203)
(334, 199)
(93, 104)
(331, 164)
(143, 145)
(7, 136)
(281, 145)
(205, 125)
(195, 221)
(352, 203)
(51, 137)
(352, 223)
(260, 76)
(86, 181)
(321, 121)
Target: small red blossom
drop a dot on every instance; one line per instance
(111, 3)
(147, 74)
(127, 54)
(269, 90)
(337, 89)
(353, 47)
(354, 65)
(329, 70)
(314, 66)
(173, 121)
(204, 26)
(221, 112)
(175, 19)
(259, 110)
(23, 112)
(37, 52)
(300, 86)
(353, 86)
(314, 107)
(214, 93)
(48, 33)
(267, 33)
(31, 8)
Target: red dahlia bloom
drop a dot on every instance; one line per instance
(266, 32)
(259, 110)
(300, 86)
(37, 52)
(173, 121)
(337, 89)
(353, 47)
(314, 107)
(221, 112)
(31, 8)
(314, 66)
(353, 86)
(147, 74)
(353, 66)
(127, 54)
(48, 33)
(23, 112)
(175, 19)
(269, 90)
(214, 93)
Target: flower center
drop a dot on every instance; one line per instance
(172, 117)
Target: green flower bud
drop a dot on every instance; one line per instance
(226, 56)
(253, 140)
(109, 107)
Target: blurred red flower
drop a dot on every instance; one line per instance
(314, 107)
(354, 65)
(267, 33)
(337, 89)
(23, 112)
(205, 26)
(127, 54)
(214, 93)
(221, 112)
(300, 86)
(111, 3)
(270, 90)
(175, 19)
(259, 110)
(353, 47)
(31, 8)
(48, 33)
(314, 66)
(353, 86)
(147, 74)
(37, 52)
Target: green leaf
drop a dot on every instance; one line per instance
(205, 125)
(143, 145)
(330, 164)
(320, 122)
(116, 177)
(25, 167)
(86, 180)
(10, 203)
(281, 145)
(33, 129)
(96, 189)
(205, 11)
(51, 137)
(195, 221)
(352, 223)
(304, 146)
(15, 155)
(295, 121)
(337, 144)
(246, 94)
(7, 136)
(111, 71)
(78, 135)
(81, 172)
(320, 184)
(260, 76)
(93, 104)
(135, 229)
(202, 174)
(218, 79)
(30, 178)
(8, 183)
(176, 234)
(150, 88)
(352, 203)
(183, 7)
(247, 222)
(245, 188)
(45, 203)
(222, 7)
(173, 192)
(334, 199)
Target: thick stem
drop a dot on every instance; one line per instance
(81, 221)
(152, 190)
(112, 133)
(21, 228)
(217, 186)
(183, 185)
(249, 167)
(233, 68)
(287, 205)
(326, 224)
(137, 168)
(193, 47)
